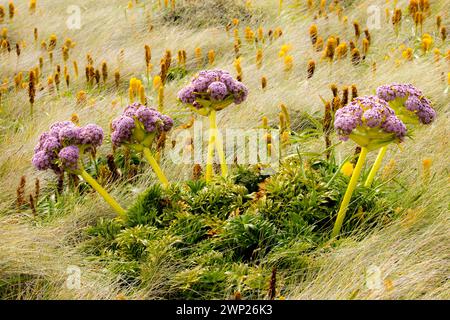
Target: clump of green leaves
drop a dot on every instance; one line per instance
(197, 240)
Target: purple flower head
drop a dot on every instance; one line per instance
(42, 139)
(394, 125)
(69, 157)
(42, 160)
(406, 96)
(51, 145)
(217, 90)
(70, 135)
(123, 127)
(240, 93)
(187, 95)
(122, 130)
(130, 111)
(92, 135)
(57, 126)
(368, 119)
(168, 122)
(214, 86)
(150, 118)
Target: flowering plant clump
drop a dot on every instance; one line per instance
(137, 128)
(62, 147)
(370, 122)
(208, 92)
(410, 106)
(212, 89)
(409, 103)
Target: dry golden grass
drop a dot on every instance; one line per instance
(412, 254)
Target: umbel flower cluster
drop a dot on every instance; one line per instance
(370, 122)
(408, 102)
(138, 126)
(60, 148)
(214, 89)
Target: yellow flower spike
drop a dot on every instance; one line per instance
(32, 6)
(142, 97)
(130, 5)
(75, 119)
(12, 10)
(81, 97)
(235, 22)
(288, 63)
(260, 34)
(265, 123)
(259, 58)
(211, 56)
(157, 82)
(347, 169)
(2, 13)
(285, 138)
(161, 98)
(237, 65)
(311, 68)
(313, 34)
(408, 54)
(437, 54)
(286, 115)
(263, 82)
(426, 167)
(131, 94)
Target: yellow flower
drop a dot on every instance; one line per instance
(285, 48)
(347, 169)
(157, 82)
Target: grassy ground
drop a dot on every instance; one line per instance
(410, 253)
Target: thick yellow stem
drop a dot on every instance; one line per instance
(162, 178)
(210, 156)
(349, 192)
(376, 166)
(97, 187)
(218, 143)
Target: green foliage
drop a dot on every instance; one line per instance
(207, 241)
(132, 242)
(301, 198)
(176, 73)
(192, 228)
(248, 236)
(219, 199)
(249, 177)
(148, 208)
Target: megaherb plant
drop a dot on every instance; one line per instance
(372, 124)
(410, 106)
(138, 128)
(62, 149)
(211, 91)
